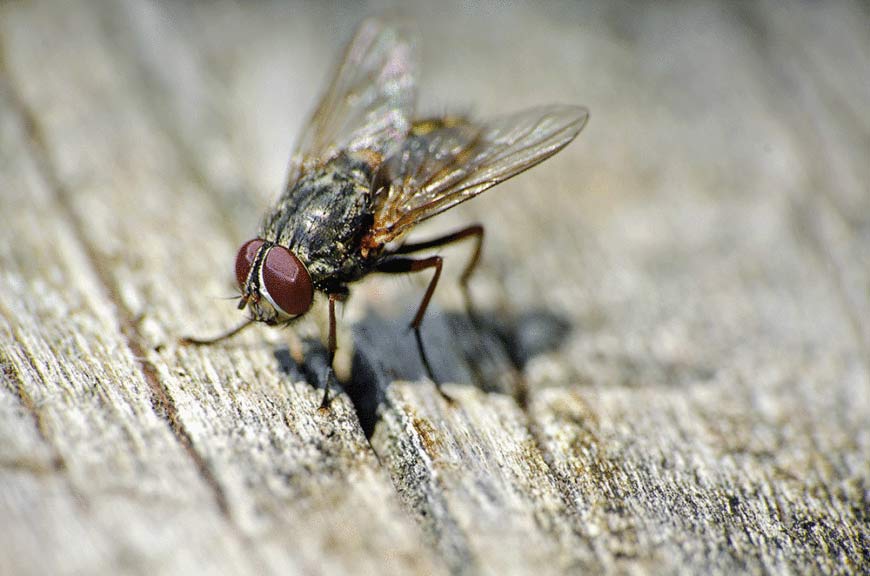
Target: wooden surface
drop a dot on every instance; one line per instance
(671, 373)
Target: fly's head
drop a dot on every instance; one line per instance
(274, 282)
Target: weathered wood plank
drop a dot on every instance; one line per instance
(705, 240)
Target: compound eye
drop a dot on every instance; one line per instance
(286, 282)
(245, 259)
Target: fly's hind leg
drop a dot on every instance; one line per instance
(401, 265)
(474, 231)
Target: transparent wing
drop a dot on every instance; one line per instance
(370, 100)
(444, 163)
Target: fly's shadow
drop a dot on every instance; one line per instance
(488, 352)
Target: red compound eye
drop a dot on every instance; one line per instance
(245, 259)
(286, 282)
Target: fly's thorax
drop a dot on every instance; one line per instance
(322, 218)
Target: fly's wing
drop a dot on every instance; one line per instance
(444, 163)
(370, 100)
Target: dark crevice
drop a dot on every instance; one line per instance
(161, 400)
(165, 407)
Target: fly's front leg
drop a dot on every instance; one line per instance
(475, 231)
(399, 265)
(190, 340)
(331, 346)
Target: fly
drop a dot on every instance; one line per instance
(366, 171)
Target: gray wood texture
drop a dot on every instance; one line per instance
(671, 371)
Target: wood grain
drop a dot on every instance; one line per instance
(670, 368)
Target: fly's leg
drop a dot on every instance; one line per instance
(399, 265)
(475, 231)
(189, 340)
(331, 345)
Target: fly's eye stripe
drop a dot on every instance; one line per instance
(246, 259)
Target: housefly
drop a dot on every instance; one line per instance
(366, 171)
